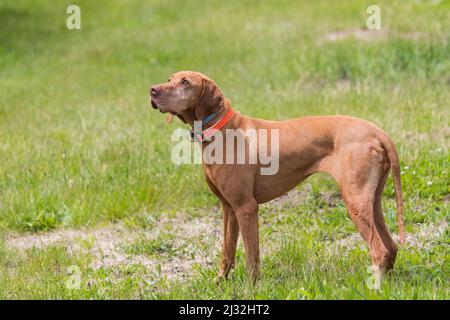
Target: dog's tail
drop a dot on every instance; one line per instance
(389, 146)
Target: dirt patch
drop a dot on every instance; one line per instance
(439, 136)
(358, 34)
(426, 235)
(446, 198)
(332, 198)
(192, 240)
(199, 239)
(370, 35)
(291, 198)
(424, 238)
(105, 238)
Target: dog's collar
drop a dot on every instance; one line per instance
(206, 134)
(208, 118)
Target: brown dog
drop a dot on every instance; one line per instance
(355, 152)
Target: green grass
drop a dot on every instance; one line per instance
(80, 146)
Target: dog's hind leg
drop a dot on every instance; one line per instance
(386, 257)
(361, 177)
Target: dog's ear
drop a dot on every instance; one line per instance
(211, 99)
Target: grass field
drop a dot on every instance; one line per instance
(86, 181)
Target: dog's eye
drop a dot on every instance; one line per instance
(185, 82)
(169, 80)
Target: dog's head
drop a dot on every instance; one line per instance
(188, 95)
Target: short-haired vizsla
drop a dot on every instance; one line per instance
(355, 152)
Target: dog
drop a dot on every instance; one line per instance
(355, 152)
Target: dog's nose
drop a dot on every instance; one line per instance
(155, 91)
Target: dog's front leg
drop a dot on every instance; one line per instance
(247, 217)
(230, 237)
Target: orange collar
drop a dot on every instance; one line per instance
(206, 134)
